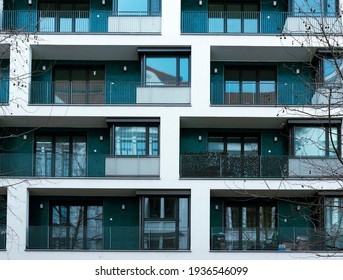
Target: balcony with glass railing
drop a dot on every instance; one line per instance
(58, 93)
(276, 239)
(269, 93)
(81, 21)
(125, 238)
(263, 22)
(66, 165)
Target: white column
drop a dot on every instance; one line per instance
(200, 78)
(169, 147)
(17, 219)
(200, 222)
(20, 71)
(171, 17)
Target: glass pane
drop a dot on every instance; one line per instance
(94, 227)
(170, 207)
(215, 144)
(76, 229)
(333, 144)
(234, 146)
(62, 156)
(130, 140)
(43, 156)
(132, 7)
(161, 71)
(234, 18)
(183, 224)
(309, 7)
(309, 141)
(153, 141)
(216, 16)
(59, 215)
(62, 86)
(184, 71)
(251, 146)
(79, 156)
(152, 207)
(332, 73)
(79, 86)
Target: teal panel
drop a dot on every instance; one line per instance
(122, 226)
(4, 81)
(194, 18)
(3, 213)
(99, 16)
(189, 140)
(272, 18)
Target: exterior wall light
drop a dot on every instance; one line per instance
(216, 207)
(215, 70)
(275, 139)
(25, 137)
(200, 2)
(199, 138)
(101, 138)
(297, 71)
(43, 67)
(103, 2)
(123, 207)
(125, 68)
(274, 3)
(29, 2)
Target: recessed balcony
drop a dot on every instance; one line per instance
(59, 93)
(49, 21)
(276, 239)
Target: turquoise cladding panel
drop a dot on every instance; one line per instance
(292, 89)
(120, 85)
(4, 81)
(189, 139)
(3, 213)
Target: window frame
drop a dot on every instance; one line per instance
(53, 153)
(178, 55)
(147, 127)
(325, 126)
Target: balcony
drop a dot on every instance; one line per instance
(57, 93)
(50, 165)
(2, 237)
(217, 165)
(276, 239)
(260, 93)
(80, 21)
(107, 238)
(4, 92)
(264, 22)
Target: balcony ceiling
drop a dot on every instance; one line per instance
(263, 193)
(65, 52)
(261, 54)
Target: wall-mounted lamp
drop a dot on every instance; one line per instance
(200, 2)
(43, 67)
(297, 71)
(215, 70)
(298, 207)
(29, 2)
(101, 138)
(124, 68)
(275, 139)
(41, 206)
(199, 138)
(274, 3)
(123, 207)
(25, 137)
(103, 2)
(216, 207)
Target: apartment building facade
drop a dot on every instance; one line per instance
(159, 129)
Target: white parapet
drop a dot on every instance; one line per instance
(134, 24)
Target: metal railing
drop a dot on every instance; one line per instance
(280, 239)
(106, 238)
(217, 165)
(64, 165)
(92, 92)
(264, 93)
(267, 22)
(77, 21)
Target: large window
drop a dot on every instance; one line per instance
(166, 69)
(234, 16)
(165, 223)
(249, 226)
(314, 7)
(79, 85)
(136, 140)
(76, 226)
(332, 71)
(139, 8)
(333, 220)
(316, 141)
(64, 16)
(60, 156)
(250, 85)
